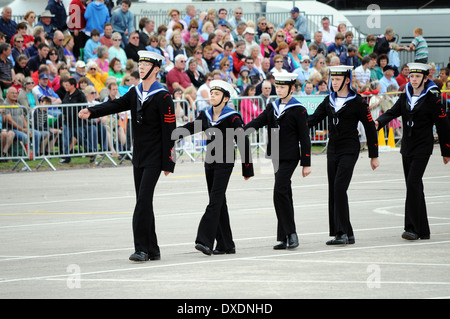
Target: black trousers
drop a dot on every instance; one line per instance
(416, 219)
(215, 222)
(340, 171)
(145, 180)
(282, 199)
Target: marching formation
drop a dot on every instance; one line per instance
(288, 124)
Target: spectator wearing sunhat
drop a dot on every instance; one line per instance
(153, 120)
(285, 119)
(304, 71)
(45, 20)
(421, 110)
(388, 78)
(58, 10)
(80, 71)
(344, 109)
(249, 39)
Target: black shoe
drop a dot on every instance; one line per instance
(224, 251)
(155, 257)
(351, 240)
(203, 249)
(139, 256)
(410, 235)
(292, 241)
(281, 245)
(339, 240)
(413, 236)
(65, 160)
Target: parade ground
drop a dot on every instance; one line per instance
(67, 234)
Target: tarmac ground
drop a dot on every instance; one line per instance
(67, 234)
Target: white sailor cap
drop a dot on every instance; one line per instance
(223, 86)
(249, 30)
(340, 70)
(149, 56)
(285, 78)
(419, 68)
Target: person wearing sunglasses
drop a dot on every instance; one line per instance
(177, 77)
(134, 46)
(96, 75)
(17, 48)
(152, 121)
(237, 18)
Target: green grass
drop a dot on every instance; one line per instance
(76, 162)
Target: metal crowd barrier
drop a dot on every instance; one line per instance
(59, 133)
(15, 136)
(65, 136)
(395, 126)
(55, 131)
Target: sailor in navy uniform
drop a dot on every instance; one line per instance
(153, 120)
(222, 126)
(286, 120)
(420, 108)
(344, 109)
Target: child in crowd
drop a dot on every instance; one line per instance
(367, 47)
(419, 46)
(338, 45)
(49, 134)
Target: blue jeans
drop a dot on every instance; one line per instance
(86, 136)
(22, 137)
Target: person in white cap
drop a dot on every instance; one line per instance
(153, 120)
(421, 109)
(45, 20)
(222, 126)
(249, 39)
(286, 120)
(344, 109)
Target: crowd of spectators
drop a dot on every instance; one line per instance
(49, 59)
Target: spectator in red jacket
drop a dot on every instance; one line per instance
(76, 24)
(403, 77)
(238, 57)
